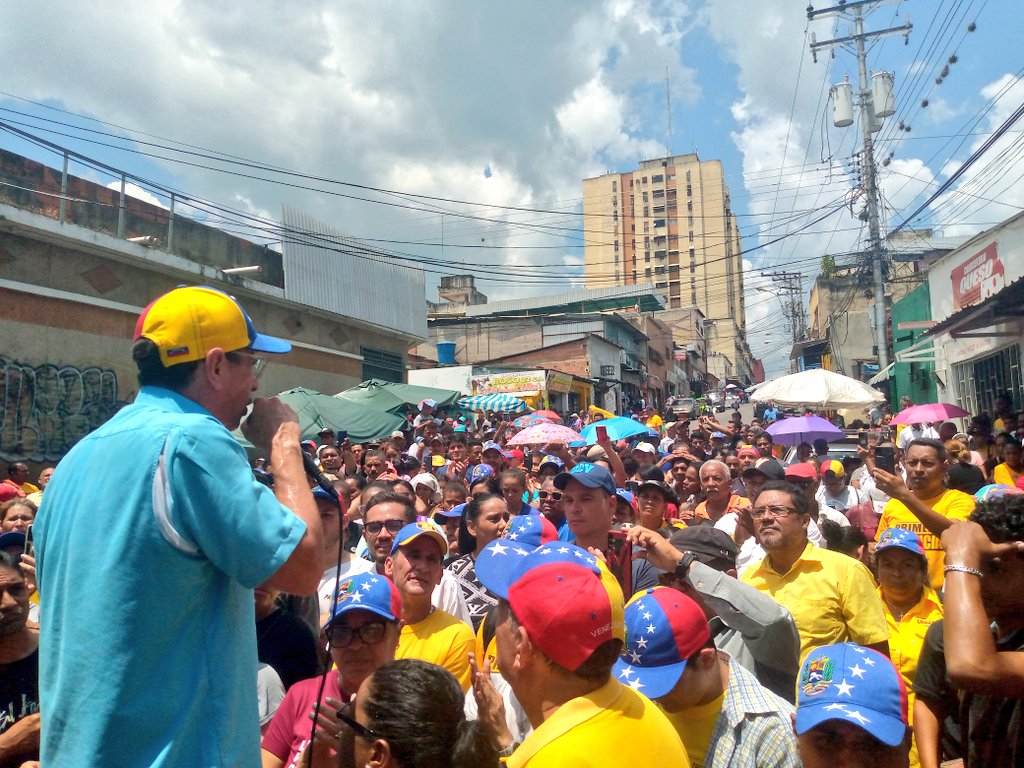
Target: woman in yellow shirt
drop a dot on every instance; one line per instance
(1008, 472)
(911, 605)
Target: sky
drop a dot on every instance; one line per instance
(456, 134)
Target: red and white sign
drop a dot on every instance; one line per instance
(977, 278)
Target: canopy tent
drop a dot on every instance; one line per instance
(817, 388)
(391, 397)
(317, 411)
(494, 402)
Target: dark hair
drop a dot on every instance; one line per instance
(456, 437)
(842, 538)
(417, 708)
(467, 541)
(473, 443)
(7, 560)
(798, 499)
(513, 474)
(490, 483)
(152, 372)
(375, 453)
(458, 486)
(385, 497)
(1002, 517)
(651, 472)
(927, 442)
(404, 484)
(630, 465)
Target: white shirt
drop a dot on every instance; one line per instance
(448, 597)
(827, 513)
(908, 433)
(847, 498)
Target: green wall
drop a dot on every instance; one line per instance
(914, 380)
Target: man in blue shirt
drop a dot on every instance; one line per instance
(152, 537)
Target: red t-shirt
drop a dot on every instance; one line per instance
(289, 731)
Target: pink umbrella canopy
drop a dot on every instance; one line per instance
(549, 415)
(530, 420)
(925, 414)
(539, 434)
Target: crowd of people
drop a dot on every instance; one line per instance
(693, 595)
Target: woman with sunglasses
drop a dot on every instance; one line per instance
(483, 520)
(362, 633)
(409, 714)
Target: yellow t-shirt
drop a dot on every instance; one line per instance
(654, 422)
(1003, 474)
(956, 505)
(611, 725)
(695, 727)
(831, 596)
(440, 639)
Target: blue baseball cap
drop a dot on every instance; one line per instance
(551, 460)
(413, 531)
(479, 472)
(664, 628)
(366, 592)
(590, 475)
(854, 685)
(455, 511)
(901, 539)
(490, 445)
(13, 539)
(320, 493)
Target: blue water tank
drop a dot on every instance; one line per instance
(446, 352)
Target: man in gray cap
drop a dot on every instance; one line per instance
(750, 626)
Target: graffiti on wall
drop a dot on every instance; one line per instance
(48, 408)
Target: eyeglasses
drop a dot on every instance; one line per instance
(393, 526)
(775, 511)
(345, 714)
(553, 495)
(258, 364)
(370, 633)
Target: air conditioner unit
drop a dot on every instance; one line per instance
(607, 370)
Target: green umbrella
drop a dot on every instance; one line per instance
(393, 398)
(317, 410)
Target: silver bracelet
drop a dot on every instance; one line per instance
(961, 568)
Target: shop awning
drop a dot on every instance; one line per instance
(882, 375)
(1008, 303)
(921, 351)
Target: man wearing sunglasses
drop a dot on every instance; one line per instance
(832, 597)
(362, 628)
(192, 532)
(550, 500)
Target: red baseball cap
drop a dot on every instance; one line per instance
(802, 471)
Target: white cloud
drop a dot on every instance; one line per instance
(134, 190)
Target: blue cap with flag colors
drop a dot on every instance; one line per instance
(854, 685)
(479, 472)
(567, 601)
(530, 530)
(901, 539)
(413, 531)
(366, 592)
(664, 628)
(188, 322)
(590, 475)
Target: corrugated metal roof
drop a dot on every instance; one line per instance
(613, 297)
(340, 274)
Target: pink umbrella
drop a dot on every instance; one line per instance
(550, 415)
(545, 433)
(925, 414)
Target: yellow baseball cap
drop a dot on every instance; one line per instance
(189, 321)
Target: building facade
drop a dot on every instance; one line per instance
(671, 222)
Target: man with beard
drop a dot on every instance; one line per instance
(832, 597)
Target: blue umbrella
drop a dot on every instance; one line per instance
(495, 402)
(618, 428)
(803, 429)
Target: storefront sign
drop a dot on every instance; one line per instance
(518, 381)
(559, 382)
(978, 278)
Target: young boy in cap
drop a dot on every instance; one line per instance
(428, 633)
(851, 710)
(724, 717)
(560, 630)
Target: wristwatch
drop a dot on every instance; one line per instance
(683, 567)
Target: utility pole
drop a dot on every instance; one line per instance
(870, 114)
(791, 286)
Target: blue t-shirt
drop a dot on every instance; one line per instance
(150, 541)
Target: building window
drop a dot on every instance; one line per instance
(661, 284)
(689, 206)
(657, 179)
(616, 245)
(615, 185)
(647, 211)
(631, 200)
(647, 273)
(659, 209)
(647, 226)
(645, 196)
(689, 220)
(647, 257)
(644, 180)
(378, 364)
(659, 223)
(687, 177)
(658, 194)
(691, 235)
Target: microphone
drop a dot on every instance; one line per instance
(317, 474)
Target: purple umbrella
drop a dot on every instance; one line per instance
(803, 429)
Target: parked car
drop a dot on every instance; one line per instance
(685, 408)
(843, 448)
(716, 401)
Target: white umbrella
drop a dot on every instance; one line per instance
(818, 388)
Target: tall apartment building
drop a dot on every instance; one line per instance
(670, 222)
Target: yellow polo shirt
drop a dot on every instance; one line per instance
(956, 505)
(831, 596)
(440, 639)
(611, 725)
(1001, 474)
(906, 636)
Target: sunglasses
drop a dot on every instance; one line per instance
(553, 495)
(393, 526)
(347, 715)
(258, 364)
